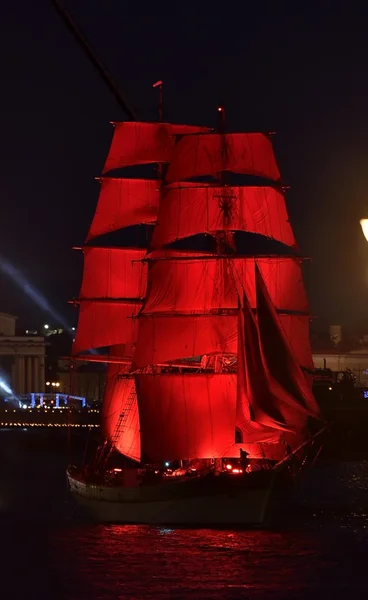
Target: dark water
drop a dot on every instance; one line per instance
(48, 551)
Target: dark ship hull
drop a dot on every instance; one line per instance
(202, 502)
(223, 499)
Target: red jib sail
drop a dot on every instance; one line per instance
(120, 414)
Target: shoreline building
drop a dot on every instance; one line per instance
(22, 359)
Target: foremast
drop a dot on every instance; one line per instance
(115, 277)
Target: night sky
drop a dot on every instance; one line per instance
(298, 71)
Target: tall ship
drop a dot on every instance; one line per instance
(204, 326)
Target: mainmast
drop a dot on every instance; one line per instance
(192, 310)
(159, 85)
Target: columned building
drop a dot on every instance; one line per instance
(22, 359)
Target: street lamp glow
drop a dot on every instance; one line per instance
(46, 326)
(364, 226)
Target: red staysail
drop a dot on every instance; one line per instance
(209, 154)
(120, 406)
(250, 384)
(281, 397)
(186, 211)
(124, 202)
(137, 143)
(280, 360)
(296, 329)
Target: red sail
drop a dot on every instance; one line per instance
(113, 273)
(137, 143)
(103, 324)
(186, 416)
(186, 211)
(163, 339)
(186, 283)
(296, 329)
(266, 402)
(280, 361)
(124, 202)
(120, 399)
(249, 384)
(209, 154)
(200, 288)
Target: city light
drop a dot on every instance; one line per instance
(46, 326)
(364, 226)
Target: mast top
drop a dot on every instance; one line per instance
(160, 84)
(221, 117)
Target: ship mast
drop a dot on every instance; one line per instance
(159, 85)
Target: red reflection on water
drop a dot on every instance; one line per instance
(161, 562)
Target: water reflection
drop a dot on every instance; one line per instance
(319, 549)
(139, 562)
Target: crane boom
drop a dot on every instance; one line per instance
(95, 60)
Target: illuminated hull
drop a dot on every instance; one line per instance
(219, 501)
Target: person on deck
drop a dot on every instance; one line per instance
(244, 460)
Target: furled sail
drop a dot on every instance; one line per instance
(124, 202)
(186, 211)
(211, 153)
